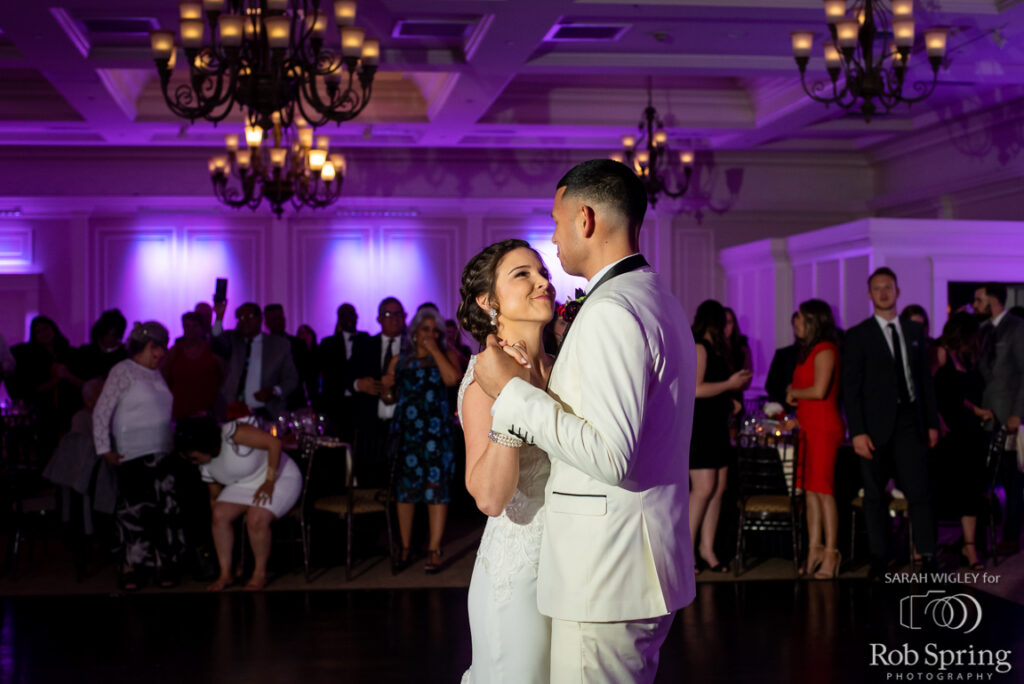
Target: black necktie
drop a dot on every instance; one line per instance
(240, 393)
(899, 366)
(388, 354)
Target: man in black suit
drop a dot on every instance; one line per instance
(370, 358)
(1001, 364)
(780, 373)
(334, 356)
(892, 416)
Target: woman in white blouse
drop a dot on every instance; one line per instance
(247, 473)
(132, 430)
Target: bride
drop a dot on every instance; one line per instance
(506, 291)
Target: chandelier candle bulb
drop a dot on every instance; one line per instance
(231, 29)
(190, 10)
(323, 142)
(327, 173)
(802, 43)
(192, 33)
(162, 43)
(616, 157)
(371, 52)
(847, 31)
(277, 157)
(352, 41)
(317, 159)
(316, 24)
(338, 162)
(903, 30)
(216, 6)
(935, 42)
(306, 137)
(253, 136)
(231, 142)
(629, 141)
(834, 10)
(686, 158)
(278, 31)
(660, 138)
(252, 27)
(344, 12)
(902, 8)
(832, 58)
(643, 157)
(173, 59)
(243, 158)
(212, 166)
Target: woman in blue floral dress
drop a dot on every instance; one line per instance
(421, 430)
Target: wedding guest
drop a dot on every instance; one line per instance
(43, 379)
(132, 431)
(259, 370)
(192, 371)
(780, 372)
(247, 474)
(454, 337)
(918, 314)
(307, 336)
(105, 346)
(815, 392)
(302, 357)
(7, 362)
(371, 357)
(709, 445)
(890, 408)
(963, 448)
(421, 430)
(333, 358)
(737, 343)
(1002, 367)
(205, 312)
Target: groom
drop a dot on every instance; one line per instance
(616, 558)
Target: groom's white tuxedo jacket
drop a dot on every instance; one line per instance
(616, 424)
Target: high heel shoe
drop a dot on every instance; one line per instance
(433, 564)
(814, 559)
(834, 571)
(964, 560)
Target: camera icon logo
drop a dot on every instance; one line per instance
(955, 612)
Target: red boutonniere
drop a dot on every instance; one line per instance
(568, 311)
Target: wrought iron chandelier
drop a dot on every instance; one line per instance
(299, 173)
(267, 57)
(870, 48)
(649, 156)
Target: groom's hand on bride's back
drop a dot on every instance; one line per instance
(495, 366)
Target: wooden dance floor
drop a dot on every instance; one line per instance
(781, 631)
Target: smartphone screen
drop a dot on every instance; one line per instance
(220, 294)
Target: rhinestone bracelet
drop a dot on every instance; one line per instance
(504, 440)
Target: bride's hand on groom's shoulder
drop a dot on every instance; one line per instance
(497, 364)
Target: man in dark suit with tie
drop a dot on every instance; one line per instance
(334, 355)
(370, 358)
(259, 371)
(892, 416)
(1002, 367)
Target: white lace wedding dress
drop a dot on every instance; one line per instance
(511, 639)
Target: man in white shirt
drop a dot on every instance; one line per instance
(335, 355)
(893, 417)
(370, 359)
(260, 371)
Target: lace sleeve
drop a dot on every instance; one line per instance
(467, 380)
(114, 388)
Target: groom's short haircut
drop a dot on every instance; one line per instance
(608, 182)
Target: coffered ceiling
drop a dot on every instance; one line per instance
(514, 74)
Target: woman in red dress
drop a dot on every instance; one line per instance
(815, 393)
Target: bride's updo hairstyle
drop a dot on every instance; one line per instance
(478, 278)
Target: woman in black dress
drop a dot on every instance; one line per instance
(709, 445)
(960, 454)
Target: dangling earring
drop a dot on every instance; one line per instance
(494, 317)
